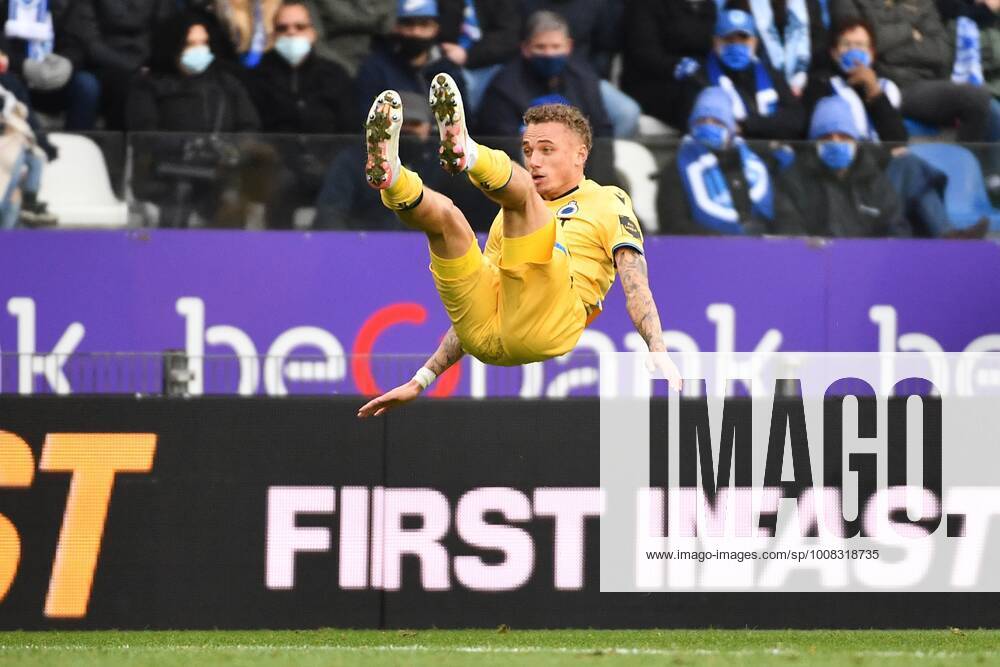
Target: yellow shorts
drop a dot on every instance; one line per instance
(523, 310)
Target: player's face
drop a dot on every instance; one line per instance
(554, 155)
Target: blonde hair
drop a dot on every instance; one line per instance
(237, 17)
(563, 114)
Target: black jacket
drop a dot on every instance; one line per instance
(516, 87)
(385, 70)
(116, 34)
(498, 19)
(214, 101)
(814, 201)
(316, 97)
(660, 34)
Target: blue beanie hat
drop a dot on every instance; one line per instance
(832, 114)
(713, 102)
(411, 9)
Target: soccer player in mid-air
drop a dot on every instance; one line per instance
(552, 251)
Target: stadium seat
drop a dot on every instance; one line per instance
(77, 188)
(638, 171)
(303, 217)
(965, 197)
(915, 128)
(650, 126)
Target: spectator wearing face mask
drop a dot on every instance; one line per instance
(185, 90)
(915, 53)
(346, 201)
(716, 185)
(595, 26)
(874, 103)
(794, 36)
(295, 89)
(836, 189)
(299, 92)
(545, 72)
(408, 57)
(763, 104)
(851, 74)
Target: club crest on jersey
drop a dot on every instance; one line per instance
(568, 210)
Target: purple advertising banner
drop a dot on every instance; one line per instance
(350, 313)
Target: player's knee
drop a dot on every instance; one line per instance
(454, 221)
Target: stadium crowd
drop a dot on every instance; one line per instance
(786, 116)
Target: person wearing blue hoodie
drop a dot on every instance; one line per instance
(716, 185)
(835, 188)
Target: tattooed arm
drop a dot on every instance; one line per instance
(638, 298)
(447, 355)
(642, 309)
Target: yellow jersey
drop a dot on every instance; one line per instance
(595, 221)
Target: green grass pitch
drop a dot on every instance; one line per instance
(442, 648)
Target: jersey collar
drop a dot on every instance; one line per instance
(568, 192)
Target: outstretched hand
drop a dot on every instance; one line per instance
(660, 362)
(393, 398)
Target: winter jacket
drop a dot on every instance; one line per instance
(214, 101)
(500, 22)
(813, 200)
(316, 97)
(384, 70)
(346, 27)
(516, 87)
(901, 56)
(660, 34)
(116, 34)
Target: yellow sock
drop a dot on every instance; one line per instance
(405, 193)
(491, 170)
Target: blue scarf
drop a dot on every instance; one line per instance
(258, 42)
(766, 102)
(708, 194)
(968, 66)
(824, 12)
(31, 21)
(790, 50)
(859, 113)
(470, 32)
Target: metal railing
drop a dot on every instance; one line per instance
(174, 373)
